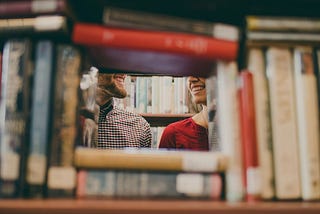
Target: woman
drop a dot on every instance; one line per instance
(190, 133)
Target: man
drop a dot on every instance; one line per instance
(118, 128)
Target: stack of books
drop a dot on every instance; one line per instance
(153, 173)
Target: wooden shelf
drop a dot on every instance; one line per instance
(164, 119)
(77, 206)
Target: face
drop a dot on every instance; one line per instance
(197, 88)
(110, 85)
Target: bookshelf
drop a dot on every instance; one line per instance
(164, 119)
(69, 206)
(230, 11)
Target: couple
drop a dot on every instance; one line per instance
(119, 128)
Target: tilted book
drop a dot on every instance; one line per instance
(88, 34)
(148, 184)
(150, 159)
(120, 17)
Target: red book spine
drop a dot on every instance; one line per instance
(172, 42)
(248, 136)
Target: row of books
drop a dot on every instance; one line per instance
(157, 95)
(269, 113)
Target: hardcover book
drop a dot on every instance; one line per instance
(282, 24)
(40, 125)
(308, 122)
(120, 17)
(279, 64)
(61, 179)
(148, 62)
(251, 166)
(14, 116)
(257, 66)
(150, 159)
(228, 114)
(53, 26)
(88, 34)
(148, 184)
(31, 8)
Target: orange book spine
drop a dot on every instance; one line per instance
(249, 138)
(171, 42)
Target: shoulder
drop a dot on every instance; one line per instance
(179, 125)
(130, 116)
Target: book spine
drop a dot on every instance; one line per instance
(256, 65)
(252, 176)
(308, 122)
(192, 161)
(14, 110)
(148, 184)
(31, 8)
(61, 171)
(0, 72)
(170, 42)
(229, 128)
(282, 24)
(211, 90)
(143, 20)
(155, 94)
(284, 123)
(39, 133)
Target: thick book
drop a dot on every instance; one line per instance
(120, 17)
(46, 25)
(147, 62)
(282, 24)
(14, 115)
(64, 132)
(251, 166)
(151, 159)
(148, 184)
(40, 125)
(308, 122)
(31, 8)
(257, 66)
(88, 34)
(279, 64)
(229, 128)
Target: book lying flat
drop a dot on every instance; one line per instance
(150, 159)
(120, 17)
(148, 184)
(31, 8)
(150, 62)
(198, 46)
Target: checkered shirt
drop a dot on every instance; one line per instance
(118, 129)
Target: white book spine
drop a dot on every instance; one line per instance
(155, 94)
(256, 65)
(308, 122)
(284, 123)
(229, 128)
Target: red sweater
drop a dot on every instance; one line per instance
(185, 134)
